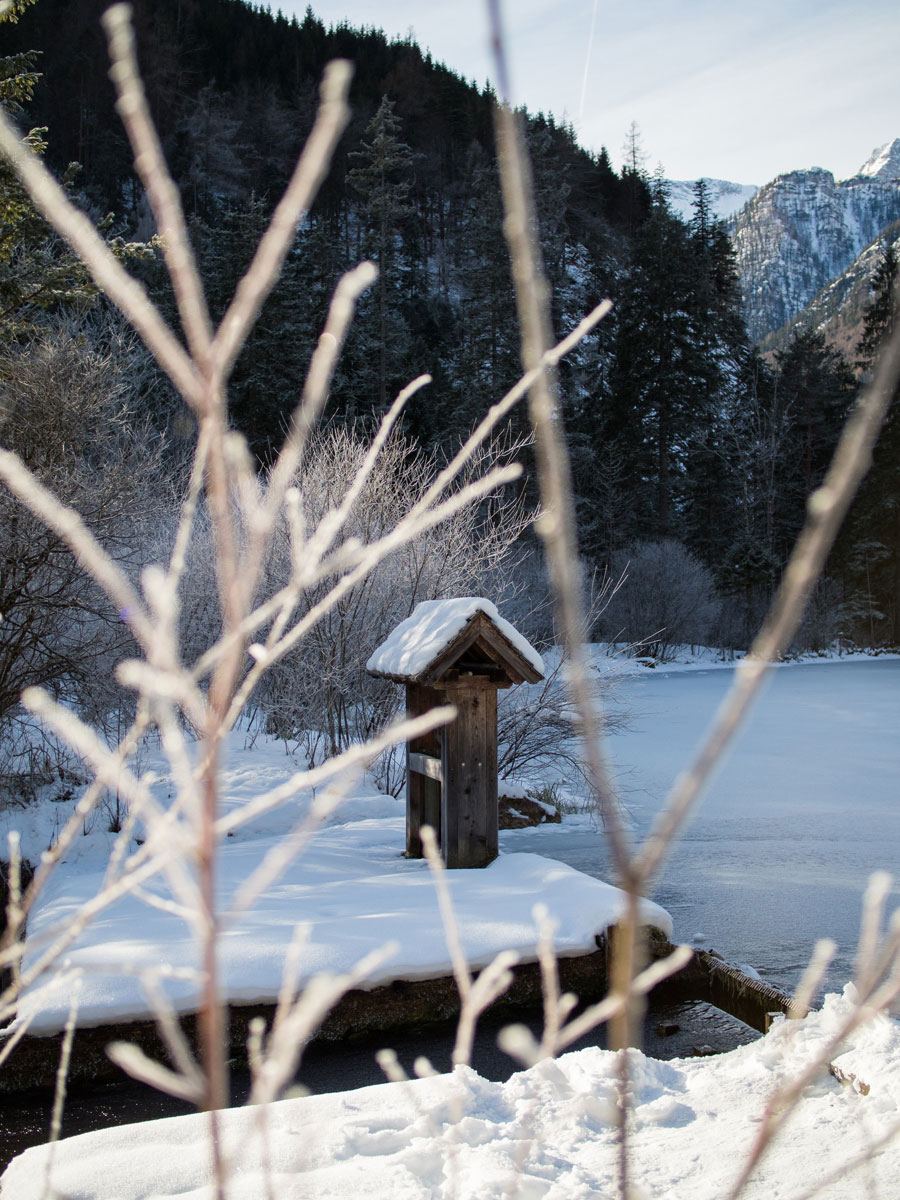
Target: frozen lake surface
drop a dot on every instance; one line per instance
(805, 808)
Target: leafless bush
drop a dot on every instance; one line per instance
(666, 597)
(322, 686)
(537, 731)
(66, 409)
(822, 619)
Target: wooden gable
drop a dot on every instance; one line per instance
(480, 649)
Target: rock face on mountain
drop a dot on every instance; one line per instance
(804, 229)
(884, 162)
(838, 310)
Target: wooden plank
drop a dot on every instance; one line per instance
(517, 667)
(469, 802)
(424, 764)
(423, 794)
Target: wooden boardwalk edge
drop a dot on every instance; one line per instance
(403, 1004)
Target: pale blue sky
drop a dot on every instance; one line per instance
(734, 91)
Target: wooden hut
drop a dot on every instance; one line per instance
(458, 652)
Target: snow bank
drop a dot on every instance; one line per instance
(252, 765)
(432, 626)
(354, 891)
(610, 658)
(552, 1127)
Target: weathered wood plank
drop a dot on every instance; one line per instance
(423, 793)
(424, 764)
(469, 802)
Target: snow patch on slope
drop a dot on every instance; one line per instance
(725, 198)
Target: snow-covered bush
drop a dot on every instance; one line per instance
(667, 597)
(323, 684)
(66, 410)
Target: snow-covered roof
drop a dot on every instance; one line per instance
(437, 632)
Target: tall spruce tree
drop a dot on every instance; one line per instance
(482, 360)
(664, 373)
(267, 378)
(382, 179)
(869, 550)
(814, 387)
(709, 492)
(37, 271)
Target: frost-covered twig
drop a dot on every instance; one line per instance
(826, 508)
(491, 982)
(876, 988)
(243, 515)
(59, 1093)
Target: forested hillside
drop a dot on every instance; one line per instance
(677, 428)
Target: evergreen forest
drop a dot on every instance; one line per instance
(692, 454)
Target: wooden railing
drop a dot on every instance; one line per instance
(426, 764)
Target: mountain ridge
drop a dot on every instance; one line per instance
(803, 229)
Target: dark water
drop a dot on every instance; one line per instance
(805, 808)
(671, 1031)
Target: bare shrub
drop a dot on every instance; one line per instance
(666, 597)
(537, 732)
(66, 409)
(322, 688)
(822, 619)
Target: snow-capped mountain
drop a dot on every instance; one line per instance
(725, 198)
(884, 162)
(804, 229)
(838, 310)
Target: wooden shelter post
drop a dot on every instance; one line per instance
(423, 791)
(469, 768)
(459, 651)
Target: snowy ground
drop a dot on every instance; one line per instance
(351, 889)
(456, 1135)
(550, 1128)
(347, 885)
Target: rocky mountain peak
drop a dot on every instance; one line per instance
(883, 163)
(804, 229)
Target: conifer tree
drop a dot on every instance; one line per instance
(881, 312)
(36, 271)
(482, 360)
(664, 374)
(709, 490)
(816, 387)
(381, 177)
(870, 544)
